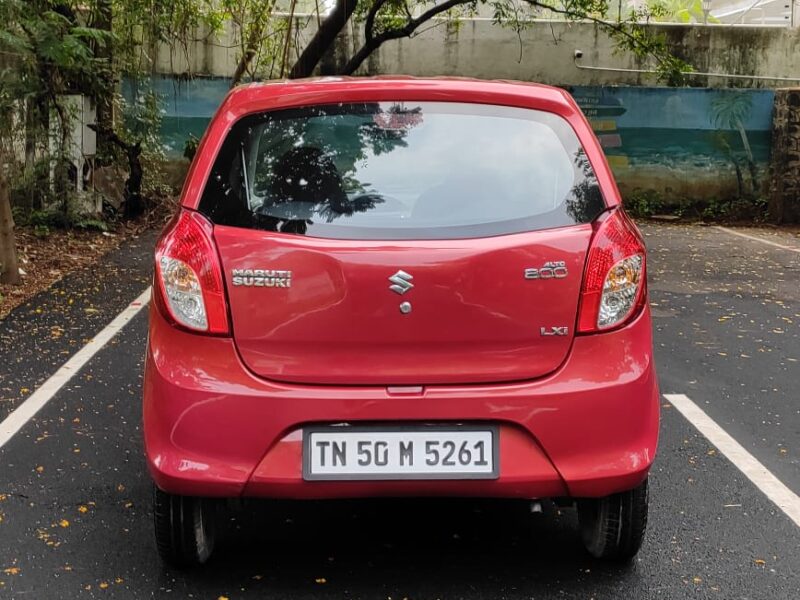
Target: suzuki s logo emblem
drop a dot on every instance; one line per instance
(401, 282)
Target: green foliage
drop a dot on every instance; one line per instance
(51, 51)
(644, 203)
(41, 231)
(141, 123)
(48, 53)
(139, 25)
(400, 18)
(90, 224)
(190, 147)
(680, 11)
(43, 221)
(735, 209)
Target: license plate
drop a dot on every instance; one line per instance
(339, 452)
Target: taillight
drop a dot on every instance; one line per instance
(614, 282)
(189, 275)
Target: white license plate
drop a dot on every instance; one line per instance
(400, 453)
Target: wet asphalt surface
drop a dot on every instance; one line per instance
(75, 516)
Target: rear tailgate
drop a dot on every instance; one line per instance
(474, 315)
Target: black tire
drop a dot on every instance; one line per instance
(184, 527)
(613, 527)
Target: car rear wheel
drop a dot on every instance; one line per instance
(613, 527)
(184, 528)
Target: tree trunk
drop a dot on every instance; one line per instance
(134, 203)
(30, 154)
(323, 38)
(9, 268)
(105, 96)
(784, 189)
(133, 200)
(288, 40)
(248, 54)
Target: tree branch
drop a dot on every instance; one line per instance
(616, 28)
(323, 38)
(369, 24)
(111, 136)
(372, 42)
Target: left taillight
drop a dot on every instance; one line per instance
(189, 275)
(614, 282)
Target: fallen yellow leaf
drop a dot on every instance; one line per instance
(760, 562)
(11, 570)
(63, 523)
(82, 509)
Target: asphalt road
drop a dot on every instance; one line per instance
(75, 516)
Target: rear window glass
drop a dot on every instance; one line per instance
(405, 170)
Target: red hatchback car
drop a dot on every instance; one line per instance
(400, 287)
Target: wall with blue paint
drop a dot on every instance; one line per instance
(680, 142)
(686, 142)
(187, 106)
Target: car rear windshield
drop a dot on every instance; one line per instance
(402, 170)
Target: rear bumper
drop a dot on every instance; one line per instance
(212, 428)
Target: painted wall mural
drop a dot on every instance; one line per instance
(692, 142)
(681, 142)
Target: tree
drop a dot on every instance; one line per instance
(47, 55)
(9, 268)
(385, 20)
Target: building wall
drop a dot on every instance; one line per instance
(678, 142)
(542, 52)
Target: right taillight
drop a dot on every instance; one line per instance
(614, 281)
(189, 276)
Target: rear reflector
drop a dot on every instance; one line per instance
(614, 281)
(189, 275)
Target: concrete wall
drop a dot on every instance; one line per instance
(674, 141)
(542, 52)
(679, 142)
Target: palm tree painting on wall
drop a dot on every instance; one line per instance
(729, 112)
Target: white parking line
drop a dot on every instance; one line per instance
(764, 480)
(44, 393)
(755, 238)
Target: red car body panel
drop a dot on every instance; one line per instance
(330, 323)
(213, 428)
(577, 415)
